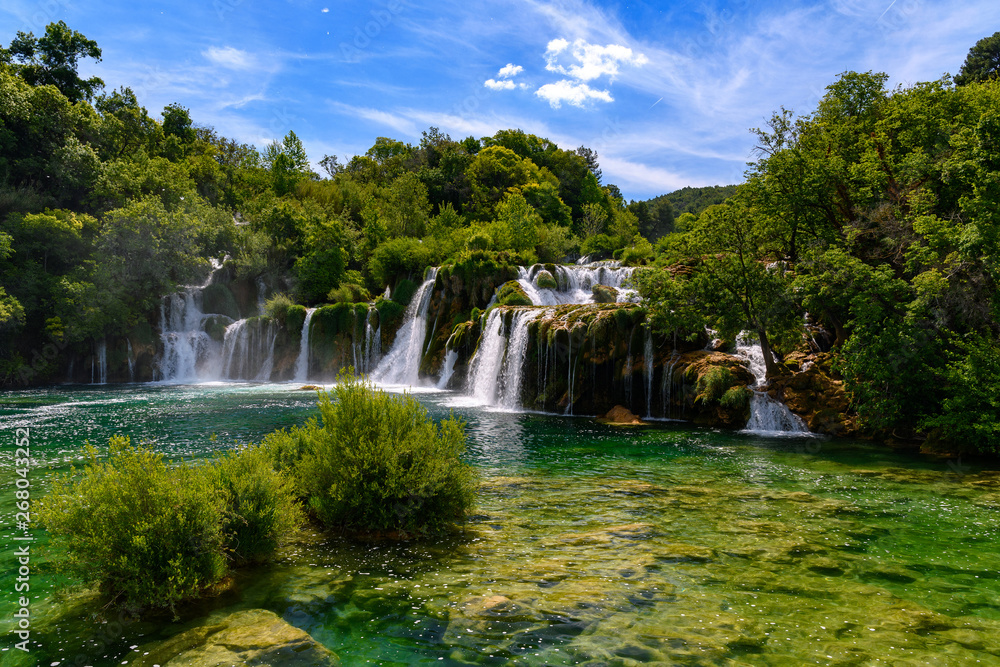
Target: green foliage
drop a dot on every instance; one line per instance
(398, 258)
(714, 385)
(260, 506)
(348, 293)
(277, 305)
(378, 462)
(143, 532)
(982, 63)
(736, 398)
(52, 60)
(512, 294)
(640, 252)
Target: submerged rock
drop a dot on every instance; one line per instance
(620, 416)
(251, 637)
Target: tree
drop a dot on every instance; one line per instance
(982, 63)
(589, 156)
(52, 60)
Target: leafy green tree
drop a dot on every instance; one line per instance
(53, 60)
(982, 63)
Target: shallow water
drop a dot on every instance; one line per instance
(590, 545)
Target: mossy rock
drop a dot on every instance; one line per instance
(512, 294)
(295, 317)
(545, 280)
(403, 292)
(218, 299)
(604, 294)
(215, 327)
(250, 637)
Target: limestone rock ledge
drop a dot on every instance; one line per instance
(251, 637)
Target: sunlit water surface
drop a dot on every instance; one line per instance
(590, 545)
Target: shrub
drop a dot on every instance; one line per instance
(379, 463)
(638, 253)
(403, 292)
(151, 535)
(143, 532)
(736, 398)
(348, 293)
(398, 258)
(713, 384)
(277, 306)
(260, 507)
(598, 245)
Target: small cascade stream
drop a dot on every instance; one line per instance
(99, 365)
(497, 369)
(574, 284)
(131, 360)
(302, 362)
(402, 364)
(767, 415)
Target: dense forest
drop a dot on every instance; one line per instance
(873, 219)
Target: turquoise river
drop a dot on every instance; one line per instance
(590, 545)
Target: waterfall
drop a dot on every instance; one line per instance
(497, 369)
(574, 283)
(101, 357)
(767, 415)
(667, 386)
(248, 346)
(569, 370)
(450, 357)
(188, 351)
(302, 362)
(402, 364)
(131, 361)
(647, 360)
(373, 343)
(484, 368)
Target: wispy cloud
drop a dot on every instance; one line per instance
(577, 94)
(231, 58)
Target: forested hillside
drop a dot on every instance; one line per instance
(875, 218)
(104, 207)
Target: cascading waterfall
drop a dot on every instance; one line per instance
(248, 346)
(188, 351)
(667, 386)
(131, 360)
(647, 360)
(450, 357)
(575, 283)
(302, 362)
(497, 369)
(767, 415)
(402, 364)
(100, 360)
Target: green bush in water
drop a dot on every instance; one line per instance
(150, 535)
(142, 532)
(378, 462)
(713, 384)
(260, 506)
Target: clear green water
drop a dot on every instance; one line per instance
(590, 545)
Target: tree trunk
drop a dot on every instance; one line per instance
(765, 346)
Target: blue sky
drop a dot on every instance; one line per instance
(666, 93)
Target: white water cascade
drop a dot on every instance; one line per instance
(450, 357)
(101, 363)
(574, 284)
(302, 362)
(131, 361)
(766, 414)
(402, 364)
(647, 360)
(496, 371)
(189, 353)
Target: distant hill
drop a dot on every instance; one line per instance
(693, 200)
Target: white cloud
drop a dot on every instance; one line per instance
(325, 10)
(503, 84)
(592, 60)
(231, 58)
(577, 94)
(509, 71)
